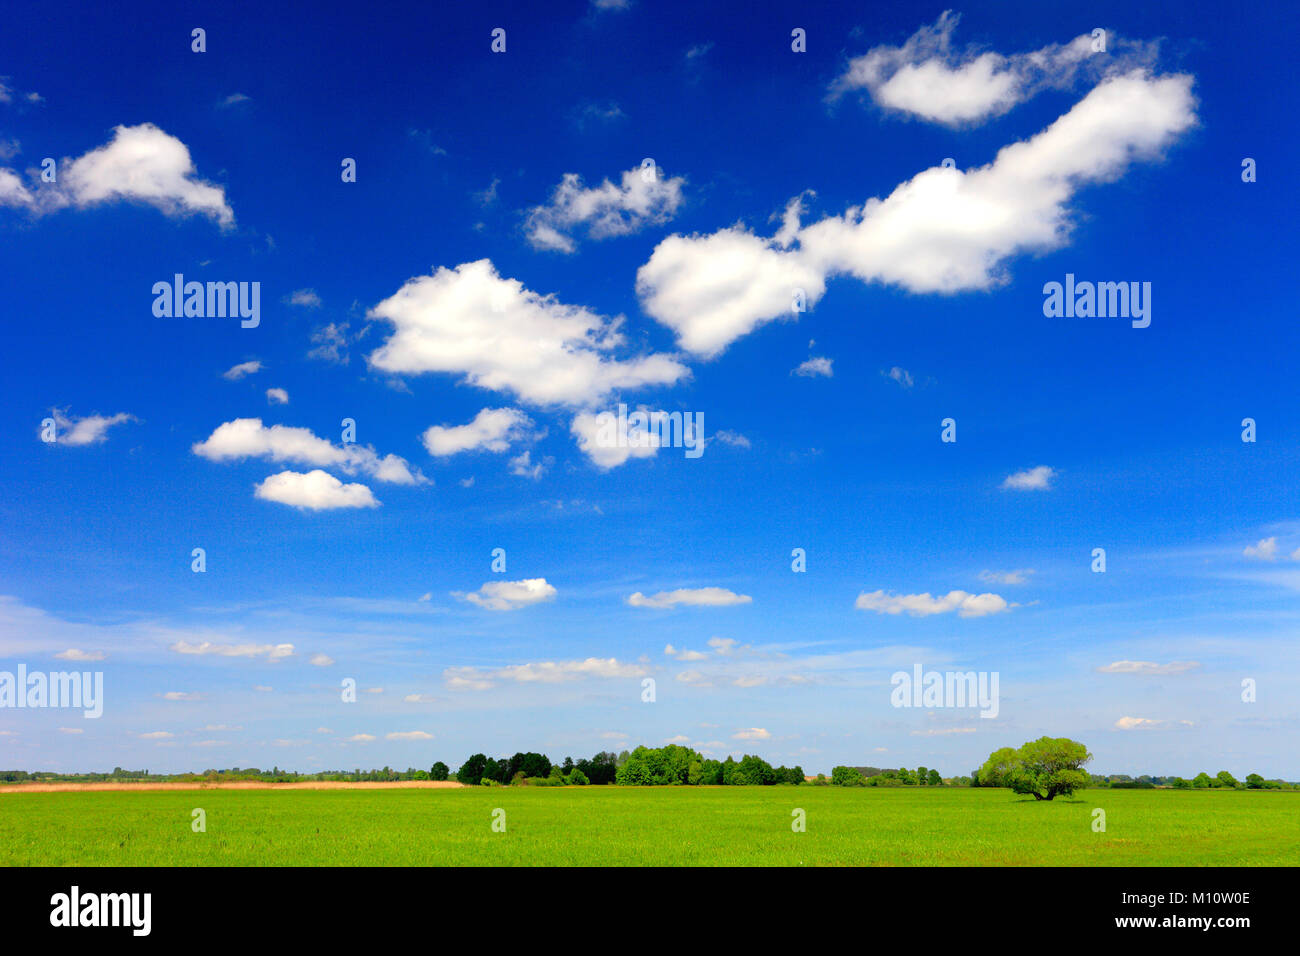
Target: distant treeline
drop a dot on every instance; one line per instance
(671, 765)
(644, 766)
(231, 775)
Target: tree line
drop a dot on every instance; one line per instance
(1046, 768)
(670, 765)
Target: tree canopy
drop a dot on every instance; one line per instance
(1045, 768)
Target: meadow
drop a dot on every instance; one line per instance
(658, 826)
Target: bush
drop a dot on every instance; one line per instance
(577, 778)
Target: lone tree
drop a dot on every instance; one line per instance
(1046, 767)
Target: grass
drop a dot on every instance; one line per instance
(677, 826)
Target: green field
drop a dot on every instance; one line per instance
(667, 826)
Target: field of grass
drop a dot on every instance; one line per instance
(749, 826)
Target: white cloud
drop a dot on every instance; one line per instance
(692, 597)
(90, 430)
(273, 652)
(156, 735)
(492, 429)
(900, 375)
(504, 337)
(307, 298)
(360, 738)
(420, 699)
(12, 190)
(943, 231)
(243, 369)
(330, 343)
(644, 198)
(734, 439)
(711, 290)
(752, 733)
(1146, 723)
(1031, 479)
(815, 366)
(277, 396)
(598, 439)
(234, 99)
(723, 645)
(925, 78)
(694, 678)
(141, 164)
(316, 491)
(71, 730)
(685, 655)
(249, 438)
(923, 605)
(543, 672)
(1148, 667)
(1020, 576)
(180, 695)
(522, 465)
(408, 735)
(72, 654)
(511, 595)
(1265, 550)
(321, 660)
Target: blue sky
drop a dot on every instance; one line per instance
(503, 271)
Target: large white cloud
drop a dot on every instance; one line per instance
(142, 164)
(316, 491)
(945, 230)
(501, 336)
(643, 198)
(492, 429)
(926, 78)
(713, 289)
(249, 438)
